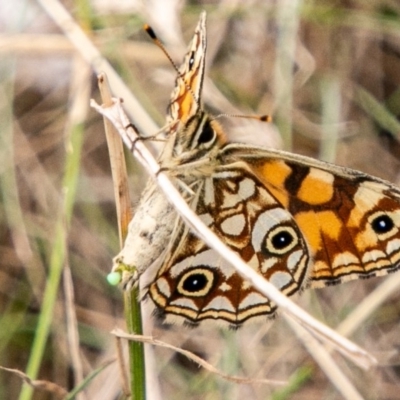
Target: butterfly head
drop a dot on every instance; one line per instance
(200, 139)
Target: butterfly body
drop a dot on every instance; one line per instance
(297, 221)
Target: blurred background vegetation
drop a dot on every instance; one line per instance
(328, 72)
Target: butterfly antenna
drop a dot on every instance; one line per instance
(157, 41)
(262, 118)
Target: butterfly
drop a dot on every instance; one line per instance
(297, 221)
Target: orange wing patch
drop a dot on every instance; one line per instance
(317, 187)
(273, 174)
(315, 225)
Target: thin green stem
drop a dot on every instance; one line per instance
(133, 318)
(377, 111)
(331, 107)
(288, 16)
(56, 259)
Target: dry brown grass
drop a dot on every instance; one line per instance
(335, 96)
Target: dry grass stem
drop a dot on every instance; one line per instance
(191, 356)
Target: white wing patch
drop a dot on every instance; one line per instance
(234, 225)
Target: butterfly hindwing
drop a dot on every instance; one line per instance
(197, 283)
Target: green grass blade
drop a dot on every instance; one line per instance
(56, 259)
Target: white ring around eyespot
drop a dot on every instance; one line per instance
(272, 249)
(209, 275)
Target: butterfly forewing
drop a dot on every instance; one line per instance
(349, 220)
(186, 97)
